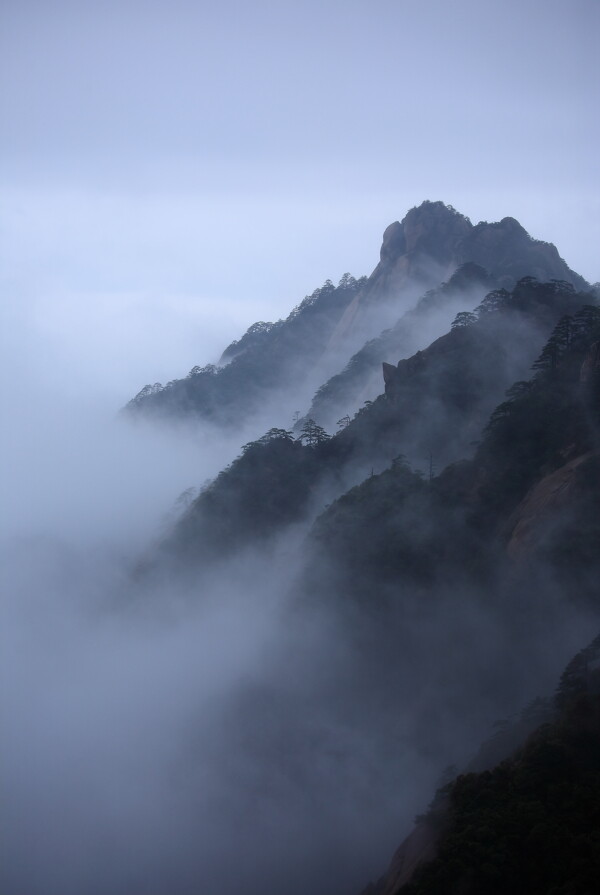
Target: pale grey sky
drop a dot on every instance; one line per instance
(171, 172)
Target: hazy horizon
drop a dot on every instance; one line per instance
(172, 173)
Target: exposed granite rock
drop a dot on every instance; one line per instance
(394, 242)
(546, 501)
(431, 242)
(360, 380)
(435, 231)
(418, 847)
(389, 373)
(590, 367)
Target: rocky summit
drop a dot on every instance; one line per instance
(421, 496)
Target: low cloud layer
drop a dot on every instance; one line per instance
(184, 735)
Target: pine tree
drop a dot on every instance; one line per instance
(312, 434)
(464, 318)
(494, 301)
(555, 347)
(274, 434)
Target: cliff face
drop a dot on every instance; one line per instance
(432, 241)
(361, 379)
(416, 254)
(432, 232)
(590, 368)
(418, 848)
(547, 504)
(423, 253)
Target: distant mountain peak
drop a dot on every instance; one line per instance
(431, 228)
(433, 239)
(433, 247)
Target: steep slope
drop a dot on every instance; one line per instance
(361, 378)
(435, 403)
(435, 624)
(430, 243)
(267, 489)
(270, 361)
(291, 358)
(531, 824)
(536, 472)
(442, 629)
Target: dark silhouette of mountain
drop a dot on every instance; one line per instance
(528, 825)
(270, 359)
(433, 244)
(292, 357)
(511, 535)
(434, 409)
(520, 513)
(434, 239)
(360, 380)
(446, 530)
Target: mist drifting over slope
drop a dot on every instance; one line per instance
(266, 717)
(198, 732)
(182, 738)
(129, 762)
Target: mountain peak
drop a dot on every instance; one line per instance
(431, 229)
(436, 210)
(513, 224)
(434, 229)
(435, 235)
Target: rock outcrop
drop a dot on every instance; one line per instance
(431, 242)
(545, 505)
(360, 380)
(419, 847)
(590, 368)
(429, 260)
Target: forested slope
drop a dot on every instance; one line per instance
(530, 824)
(429, 262)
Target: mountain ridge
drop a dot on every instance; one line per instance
(320, 336)
(448, 532)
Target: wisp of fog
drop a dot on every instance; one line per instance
(204, 733)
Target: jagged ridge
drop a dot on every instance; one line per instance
(294, 356)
